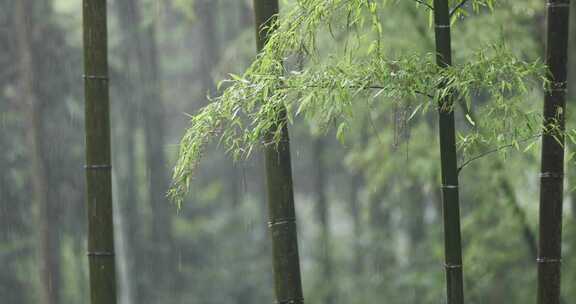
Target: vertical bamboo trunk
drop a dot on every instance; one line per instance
(98, 167)
(380, 221)
(572, 94)
(146, 79)
(357, 180)
(128, 206)
(552, 166)
(209, 48)
(281, 212)
(450, 196)
(210, 54)
(355, 185)
(416, 231)
(245, 12)
(158, 177)
(144, 90)
(47, 249)
(123, 253)
(323, 215)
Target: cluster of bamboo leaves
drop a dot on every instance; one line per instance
(329, 87)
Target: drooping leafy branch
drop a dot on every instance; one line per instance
(329, 86)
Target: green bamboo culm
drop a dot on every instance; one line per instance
(281, 213)
(98, 168)
(552, 163)
(449, 162)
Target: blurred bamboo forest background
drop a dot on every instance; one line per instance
(369, 210)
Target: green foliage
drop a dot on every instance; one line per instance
(329, 87)
(459, 6)
(390, 151)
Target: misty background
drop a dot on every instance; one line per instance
(369, 215)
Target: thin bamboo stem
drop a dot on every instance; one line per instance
(281, 212)
(98, 168)
(449, 163)
(552, 166)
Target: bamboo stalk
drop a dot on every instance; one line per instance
(552, 166)
(449, 163)
(98, 168)
(323, 215)
(281, 213)
(572, 96)
(48, 253)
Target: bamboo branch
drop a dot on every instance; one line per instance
(497, 149)
(373, 87)
(528, 235)
(457, 7)
(422, 2)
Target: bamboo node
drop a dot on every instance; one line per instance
(558, 86)
(97, 167)
(548, 261)
(452, 266)
(290, 301)
(96, 77)
(558, 4)
(285, 221)
(449, 186)
(100, 254)
(442, 26)
(551, 175)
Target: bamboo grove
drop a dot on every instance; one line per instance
(267, 99)
(337, 151)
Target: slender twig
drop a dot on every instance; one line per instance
(457, 7)
(372, 87)
(422, 2)
(497, 149)
(376, 87)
